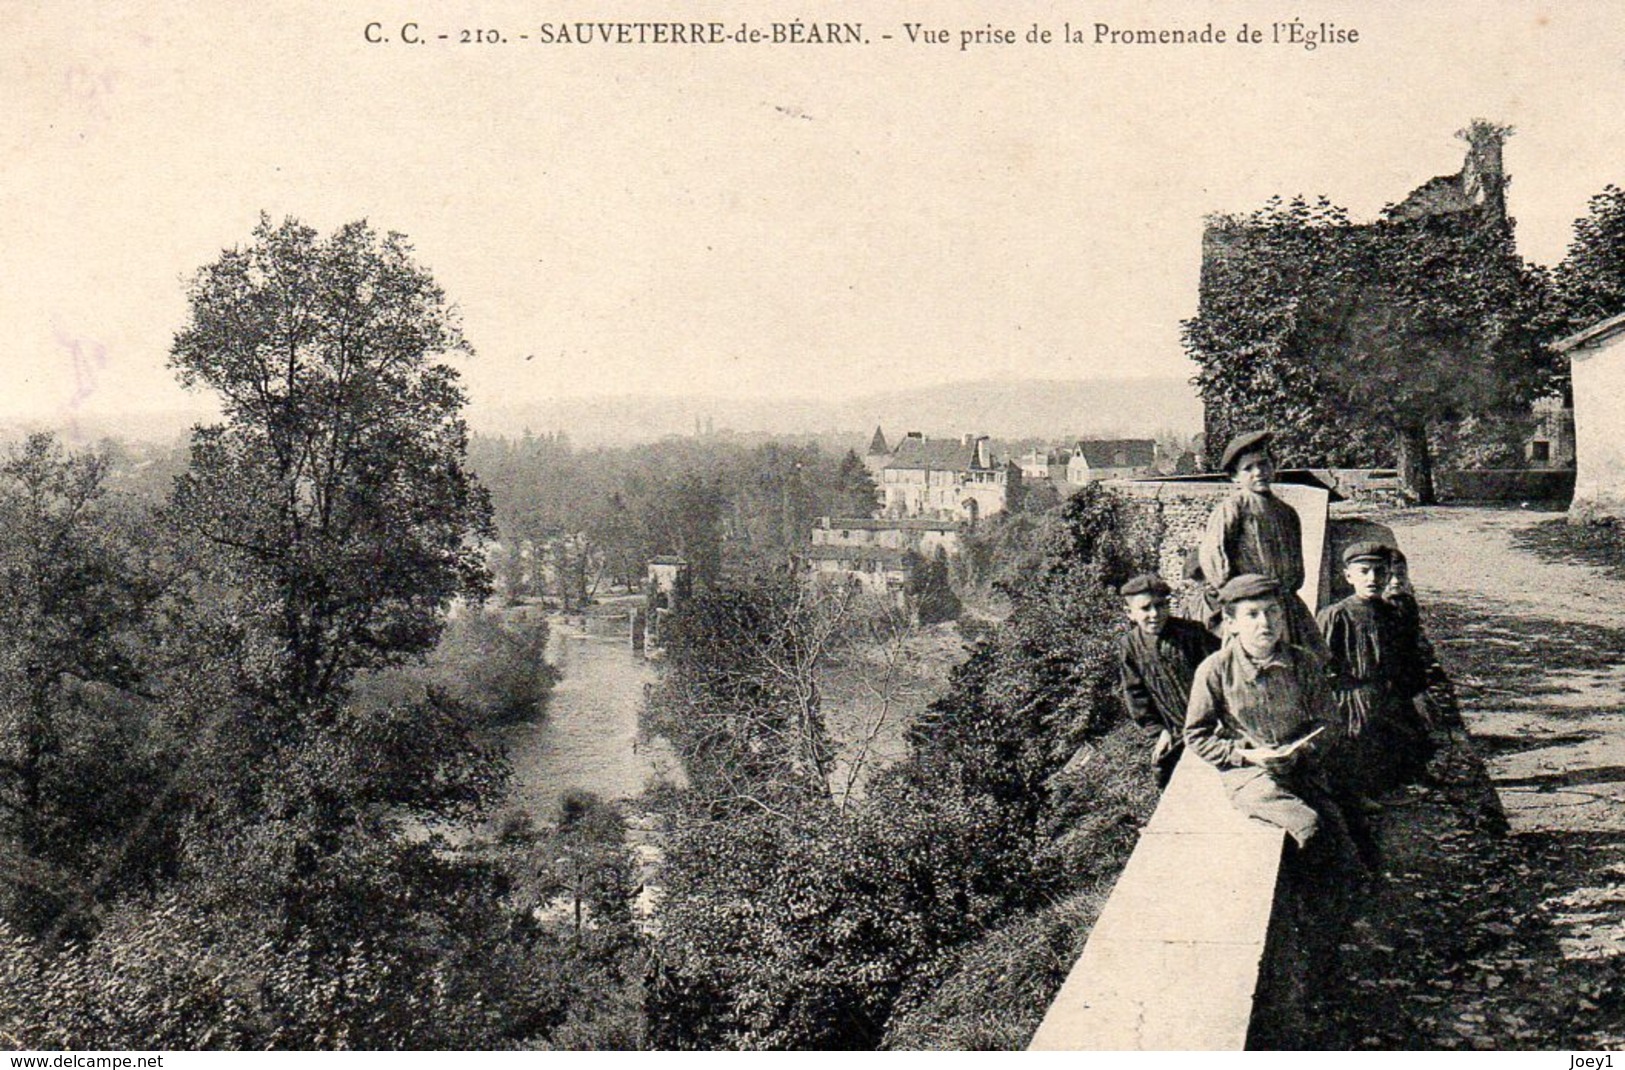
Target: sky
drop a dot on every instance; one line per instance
(741, 220)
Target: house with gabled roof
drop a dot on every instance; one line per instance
(1597, 377)
(946, 479)
(1111, 458)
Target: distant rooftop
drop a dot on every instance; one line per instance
(936, 455)
(1118, 452)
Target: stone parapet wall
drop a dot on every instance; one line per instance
(1175, 515)
(1183, 956)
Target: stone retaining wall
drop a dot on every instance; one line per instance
(1504, 485)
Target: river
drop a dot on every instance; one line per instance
(587, 738)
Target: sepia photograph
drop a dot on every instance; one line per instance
(968, 526)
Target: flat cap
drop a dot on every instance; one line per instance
(1248, 586)
(1243, 443)
(1367, 550)
(1146, 583)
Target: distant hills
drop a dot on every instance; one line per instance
(1012, 409)
(1039, 409)
(163, 426)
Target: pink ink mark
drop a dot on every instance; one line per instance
(87, 358)
(89, 87)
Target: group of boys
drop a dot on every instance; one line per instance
(1311, 722)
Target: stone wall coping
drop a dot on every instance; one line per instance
(1176, 959)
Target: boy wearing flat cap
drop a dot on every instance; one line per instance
(1260, 712)
(1438, 692)
(1378, 675)
(1158, 656)
(1254, 532)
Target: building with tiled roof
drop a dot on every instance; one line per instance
(1111, 458)
(945, 479)
(875, 552)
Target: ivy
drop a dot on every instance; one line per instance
(1351, 341)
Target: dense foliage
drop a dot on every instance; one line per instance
(1354, 341)
(793, 921)
(1590, 282)
(212, 840)
(599, 515)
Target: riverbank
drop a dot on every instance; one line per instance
(587, 738)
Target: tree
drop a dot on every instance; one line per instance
(496, 670)
(329, 521)
(684, 518)
(928, 590)
(76, 768)
(614, 530)
(336, 491)
(1590, 282)
(804, 924)
(740, 700)
(855, 490)
(1428, 321)
(1253, 368)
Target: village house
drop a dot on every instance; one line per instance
(1111, 458)
(1039, 465)
(876, 569)
(876, 552)
(946, 479)
(923, 536)
(1597, 376)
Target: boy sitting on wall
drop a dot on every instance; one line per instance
(1157, 658)
(1438, 692)
(1260, 711)
(1378, 675)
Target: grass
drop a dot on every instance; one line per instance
(1558, 542)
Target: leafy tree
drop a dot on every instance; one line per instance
(1254, 370)
(1433, 320)
(684, 518)
(803, 924)
(336, 492)
(855, 490)
(494, 670)
(615, 531)
(740, 700)
(928, 589)
(77, 768)
(1590, 282)
(328, 523)
(586, 859)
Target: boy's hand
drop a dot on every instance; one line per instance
(1278, 758)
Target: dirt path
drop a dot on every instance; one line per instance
(1483, 555)
(1469, 939)
(1537, 645)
